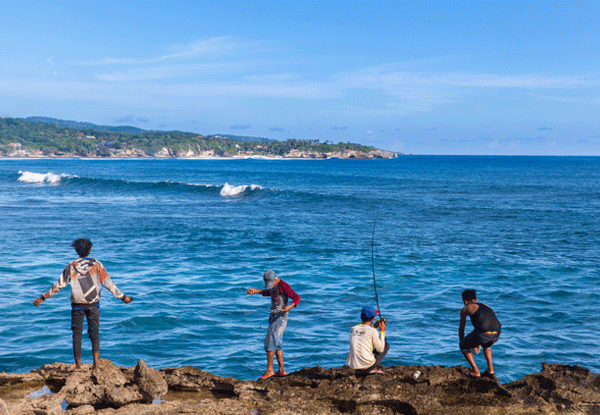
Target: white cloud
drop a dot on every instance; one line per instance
(196, 49)
(529, 81)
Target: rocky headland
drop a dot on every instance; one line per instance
(202, 154)
(108, 389)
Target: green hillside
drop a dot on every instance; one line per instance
(56, 138)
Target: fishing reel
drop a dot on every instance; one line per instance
(378, 322)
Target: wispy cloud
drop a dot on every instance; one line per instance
(413, 91)
(165, 72)
(528, 81)
(386, 77)
(198, 48)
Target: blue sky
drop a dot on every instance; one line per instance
(419, 77)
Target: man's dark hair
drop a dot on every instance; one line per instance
(365, 318)
(83, 246)
(469, 295)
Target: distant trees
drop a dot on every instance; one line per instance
(54, 140)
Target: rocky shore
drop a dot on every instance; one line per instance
(170, 153)
(108, 389)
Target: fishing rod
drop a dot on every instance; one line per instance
(381, 318)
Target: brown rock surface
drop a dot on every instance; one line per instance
(557, 389)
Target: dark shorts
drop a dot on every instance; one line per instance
(477, 338)
(378, 358)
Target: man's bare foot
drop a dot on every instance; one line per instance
(281, 374)
(472, 374)
(267, 375)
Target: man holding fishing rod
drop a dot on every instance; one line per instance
(367, 347)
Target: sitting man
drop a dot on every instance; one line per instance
(367, 347)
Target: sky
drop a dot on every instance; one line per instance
(417, 77)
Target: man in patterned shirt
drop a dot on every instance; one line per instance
(86, 276)
(279, 291)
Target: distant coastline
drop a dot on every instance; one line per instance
(48, 138)
(170, 154)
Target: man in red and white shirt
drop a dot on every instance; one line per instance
(280, 292)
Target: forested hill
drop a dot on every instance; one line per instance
(47, 137)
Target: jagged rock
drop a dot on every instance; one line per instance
(557, 389)
(104, 385)
(3, 408)
(80, 390)
(150, 382)
(44, 405)
(122, 396)
(15, 378)
(56, 374)
(82, 410)
(107, 374)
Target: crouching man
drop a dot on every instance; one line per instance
(367, 347)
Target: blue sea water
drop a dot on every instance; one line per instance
(187, 238)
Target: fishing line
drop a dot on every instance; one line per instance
(373, 265)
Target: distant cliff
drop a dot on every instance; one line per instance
(44, 137)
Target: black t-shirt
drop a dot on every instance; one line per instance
(484, 319)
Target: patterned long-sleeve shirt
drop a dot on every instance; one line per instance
(279, 296)
(86, 276)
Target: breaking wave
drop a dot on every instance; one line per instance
(226, 190)
(39, 178)
(231, 191)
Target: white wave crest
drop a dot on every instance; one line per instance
(229, 190)
(39, 178)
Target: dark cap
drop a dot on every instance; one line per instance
(270, 277)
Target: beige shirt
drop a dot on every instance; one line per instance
(363, 339)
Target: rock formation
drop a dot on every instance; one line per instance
(107, 389)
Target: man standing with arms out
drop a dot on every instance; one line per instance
(280, 292)
(486, 332)
(367, 347)
(85, 275)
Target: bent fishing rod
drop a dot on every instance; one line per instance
(373, 265)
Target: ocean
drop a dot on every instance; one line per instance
(187, 238)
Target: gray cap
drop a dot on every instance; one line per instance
(269, 278)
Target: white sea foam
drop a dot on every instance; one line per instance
(39, 178)
(229, 190)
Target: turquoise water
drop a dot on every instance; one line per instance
(187, 238)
